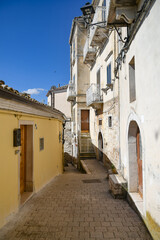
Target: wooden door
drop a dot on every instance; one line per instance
(139, 162)
(23, 159)
(84, 120)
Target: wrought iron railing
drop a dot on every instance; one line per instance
(71, 92)
(88, 49)
(99, 17)
(93, 94)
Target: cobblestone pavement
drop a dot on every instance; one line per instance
(72, 209)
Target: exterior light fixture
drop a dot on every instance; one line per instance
(87, 9)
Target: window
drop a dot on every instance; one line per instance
(100, 122)
(110, 121)
(104, 11)
(104, 3)
(132, 85)
(41, 144)
(109, 74)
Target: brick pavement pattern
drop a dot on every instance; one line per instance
(69, 208)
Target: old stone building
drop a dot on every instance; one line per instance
(138, 74)
(102, 95)
(76, 92)
(57, 98)
(121, 52)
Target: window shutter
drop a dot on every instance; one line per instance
(109, 74)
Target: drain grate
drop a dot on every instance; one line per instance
(91, 181)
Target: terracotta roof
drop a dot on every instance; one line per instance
(9, 93)
(56, 89)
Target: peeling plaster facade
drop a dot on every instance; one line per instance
(124, 114)
(79, 73)
(144, 111)
(57, 98)
(109, 106)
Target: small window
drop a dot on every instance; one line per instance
(109, 74)
(100, 122)
(41, 143)
(132, 85)
(110, 121)
(104, 11)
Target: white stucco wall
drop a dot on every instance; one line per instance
(146, 109)
(49, 100)
(62, 104)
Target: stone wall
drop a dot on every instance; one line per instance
(68, 142)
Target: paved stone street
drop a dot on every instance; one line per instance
(72, 209)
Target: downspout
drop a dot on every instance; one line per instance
(116, 50)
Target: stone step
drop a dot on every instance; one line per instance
(87, 156)
(86, 145)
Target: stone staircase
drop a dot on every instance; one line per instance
(86, 147)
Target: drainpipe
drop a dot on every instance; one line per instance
(119, 162)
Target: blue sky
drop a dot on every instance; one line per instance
(34, 43)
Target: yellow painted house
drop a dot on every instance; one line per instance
(31, 148)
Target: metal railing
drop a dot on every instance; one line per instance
(88, 49)
(93, 94)
(99, 17)
(71, 92)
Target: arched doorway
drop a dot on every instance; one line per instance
(100, 147)
(135, 159)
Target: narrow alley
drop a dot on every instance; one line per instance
(76, 206)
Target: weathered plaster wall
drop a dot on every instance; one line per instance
(62, 104)
(68, 137)
(145, 110)
(46, 163)
(81, 73)
(110, 105)
(49, 100)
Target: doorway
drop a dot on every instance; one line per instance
(26, 162)
(85, 121)
(100, 147)
(135, 159)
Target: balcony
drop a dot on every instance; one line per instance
(89, 53)
(94, 97)
(99, 33)
(71, 93)
(122, 13)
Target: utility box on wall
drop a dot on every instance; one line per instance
(17, 137)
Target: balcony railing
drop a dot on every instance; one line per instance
(94, 96)
(71, 93)
(89, 53)
(99, 17)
